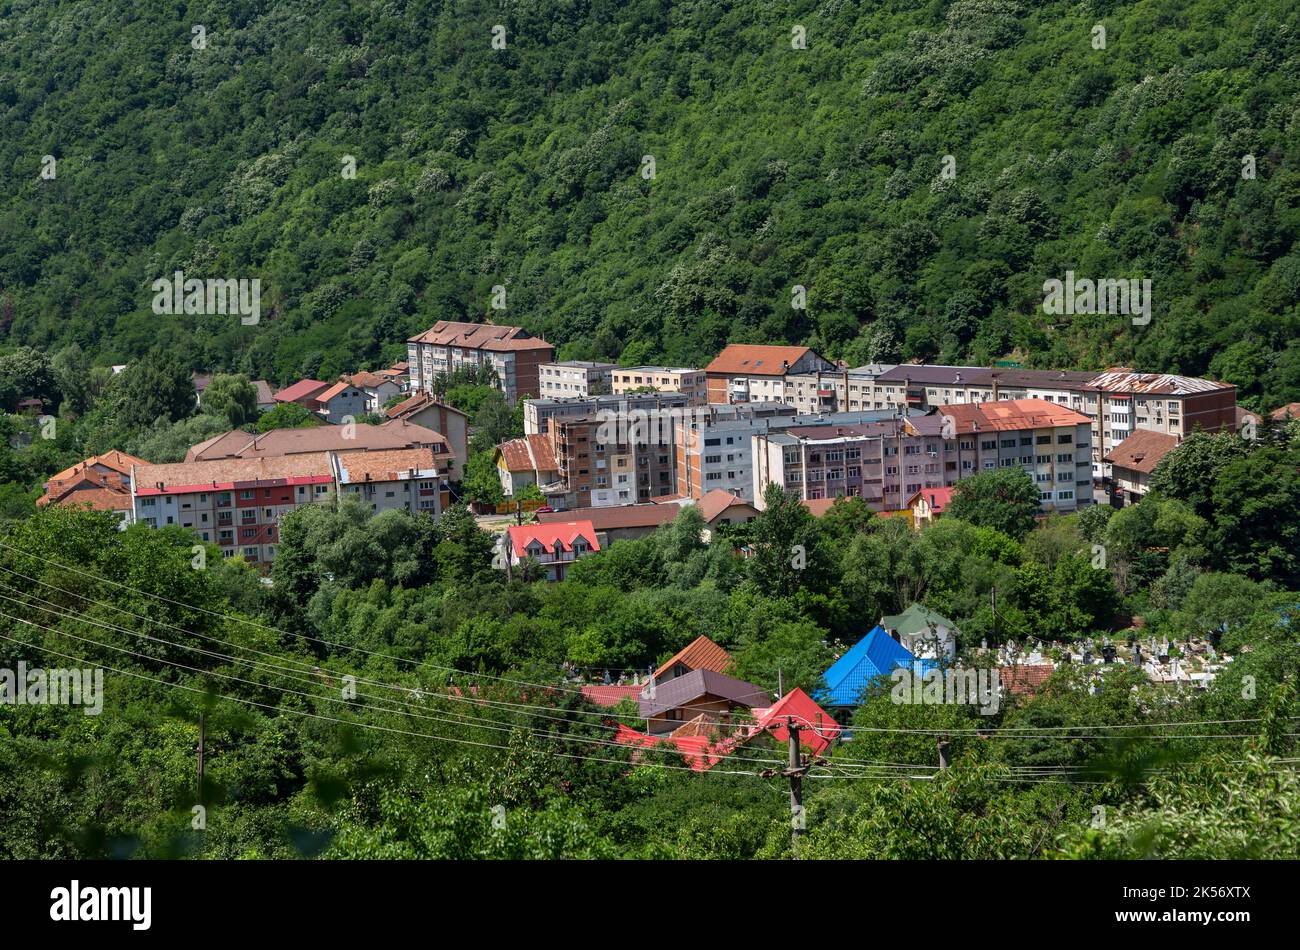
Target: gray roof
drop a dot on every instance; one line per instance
(698, 683)
(925, 373)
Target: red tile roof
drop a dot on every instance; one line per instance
(566, 533)
(1024, 679)
(936, 498)
(1142, 450)
(611, 695)
(102, 481)
(418, 402)
(700, 654)
(745, 359)
(303, 389)
(480, 336)
(1010, 414)
(532, 453)
(1290, 411)
(717, 501)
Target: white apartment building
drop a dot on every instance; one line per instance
(665, 379)
(575, 378)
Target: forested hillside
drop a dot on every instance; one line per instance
(529, 167)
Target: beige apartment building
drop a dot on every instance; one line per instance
(574, 378)
(664, 379)
(514, 353)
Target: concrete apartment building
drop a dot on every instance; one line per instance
(1117, 401)
(539, 412)
(888, 461)
(633, 467)
(572, 378)
(514, 354)
(423, 409)
(713, 449)
(664, 379)
(237, 503)
(747, 373)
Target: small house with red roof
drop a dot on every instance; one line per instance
(928, 504)
(303, 392)
(700, 654)
(554, 546)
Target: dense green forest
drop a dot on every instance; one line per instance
(529, 166)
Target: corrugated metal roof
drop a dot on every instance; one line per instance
(875, 655)
(700, 654)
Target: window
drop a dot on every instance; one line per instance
(247, 494)
(1065, 438)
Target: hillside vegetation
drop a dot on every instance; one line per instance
(527, 167)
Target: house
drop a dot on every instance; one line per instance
(1024, 679)
(265, 397)
(616, 523)
(1133, 461)
(525, 461)
(101, 482)
(716, 696)
(513, 353)
(928, 504)
(719, 507)
(1285, 413)
(340, 403)
(379, 388)
(700, 654)
(816, 728)
(303, 392)
(925, 634)
(554, 546)
(875, 656)
(426, 410)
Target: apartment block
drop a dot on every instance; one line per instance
(634, 465)
(575, 378)
(539, 412)
(713, 447)
(238, 503)
(664, 379)
(745, 373)
(888, 461)
(513, 353)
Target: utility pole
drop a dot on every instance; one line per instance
(944, 761)
(795, 773)
(202, 733)
(993, 600)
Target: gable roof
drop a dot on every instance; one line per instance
(102, 481)
(936, 498)
(818, 730)
(916, 619)
(240, 444)
(757, 360)
(700, 654)
(1290, 411)
(332, 391)
(613, 517)
(877, 654)
(716, 501)
(1024, 679)
(566, 533)
(532, 453)
(699, 683)
(303, 389)
(1142, 451)
(418, 402)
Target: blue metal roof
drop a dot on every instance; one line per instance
(876, 654)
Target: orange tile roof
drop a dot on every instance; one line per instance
(1290, 411)
(418, 402)
(716, 501)
(1142, 450)
(532, 453)
(184, 477)
(566, 533)
(385, 465)
(1011, 414)
(480, 336)
(700, 654)
(328, 394)
(611, 695)
(756, 360)
(1024, 679)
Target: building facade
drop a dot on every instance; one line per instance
(572, 378)
(514, 354)
(693, 383)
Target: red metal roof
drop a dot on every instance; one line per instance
(700, 654)
(566, 533)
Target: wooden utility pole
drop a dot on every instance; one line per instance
(993, 601)
(202, 733)
(944, 761)
(795, 772)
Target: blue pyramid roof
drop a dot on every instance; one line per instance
(876, 654)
